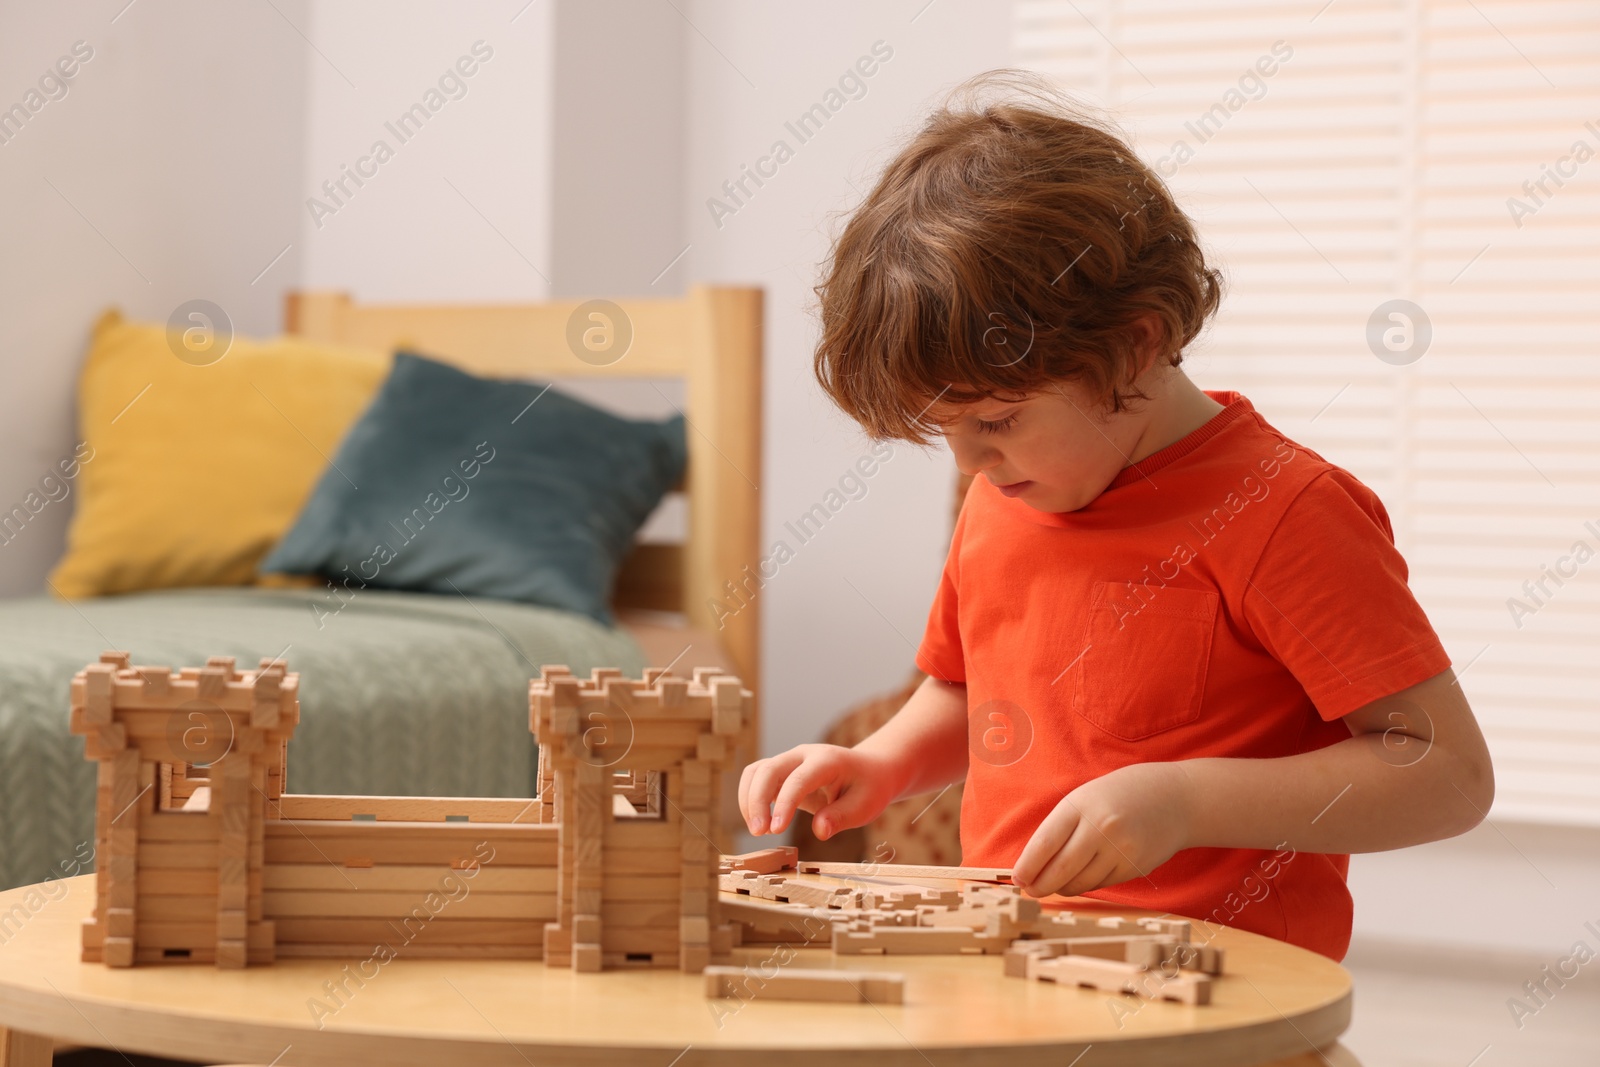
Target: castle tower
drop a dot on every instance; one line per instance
(187, 764)
(631, 770)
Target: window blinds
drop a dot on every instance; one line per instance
(1339, 156)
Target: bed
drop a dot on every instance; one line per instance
(415, 693)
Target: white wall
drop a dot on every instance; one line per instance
(1517, 887)
(618, 149)
(462, 209)
(169, 171)
(843, 616)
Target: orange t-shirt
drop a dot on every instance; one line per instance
(1233, 594)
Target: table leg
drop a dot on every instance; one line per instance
(18, 1049)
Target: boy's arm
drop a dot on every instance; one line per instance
(927, 738)
(1415, 769)
(923, 747)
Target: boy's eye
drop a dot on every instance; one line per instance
(997, 425)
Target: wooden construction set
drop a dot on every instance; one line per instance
(968, 911)
(202, 857)
(610, 864)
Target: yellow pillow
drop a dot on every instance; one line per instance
(192, 473)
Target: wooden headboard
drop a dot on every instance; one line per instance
(710, 338)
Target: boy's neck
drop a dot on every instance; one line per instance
(1177, 408)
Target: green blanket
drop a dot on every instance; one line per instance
(401, 694)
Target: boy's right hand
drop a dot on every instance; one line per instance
(841, 787)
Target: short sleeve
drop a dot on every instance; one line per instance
(1328, 599)
(939, 655)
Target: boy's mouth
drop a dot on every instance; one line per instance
(1014, 489)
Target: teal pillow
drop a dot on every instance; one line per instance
(452, 483)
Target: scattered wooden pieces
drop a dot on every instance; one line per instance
(795, 983)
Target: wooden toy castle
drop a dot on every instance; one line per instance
(202, 856)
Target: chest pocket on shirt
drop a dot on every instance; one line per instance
(1144, 668)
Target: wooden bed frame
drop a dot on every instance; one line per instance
(711, 338)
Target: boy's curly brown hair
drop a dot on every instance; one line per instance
(1009, 245)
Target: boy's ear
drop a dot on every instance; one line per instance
(1149, 336)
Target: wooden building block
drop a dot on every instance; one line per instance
(1016, 957)
(213, 685)
(1020, 913)
(1177, 929)
(813, 895)
(117, 951)
(859, 938)
(1145, 951)
(892, 897)
(761, 922)
(770, 887)
(156, 683)
(807, 984)
(907, 871)
(231, 953)
(727, 709)
(1207, 959)
(119, 922)
(264, 709)
(1112, 976)
(674, 692)
(618, 695)
(738, 882)
(98, 679)
(764, 861)
(231, 924)
(693, 874)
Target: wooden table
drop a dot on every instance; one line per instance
(1276, 1001)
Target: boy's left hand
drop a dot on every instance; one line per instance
(1119, 826)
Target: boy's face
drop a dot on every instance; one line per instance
(1054, 450)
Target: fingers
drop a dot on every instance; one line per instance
(1101, 871)
(1047, 841)
(854, 807)
(744, 790)
(1085, 862)
(759, 783)
(817, 774)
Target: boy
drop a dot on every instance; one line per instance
(1173, 652)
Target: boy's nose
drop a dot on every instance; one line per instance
(973, 458)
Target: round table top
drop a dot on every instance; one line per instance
(1275, 1000)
